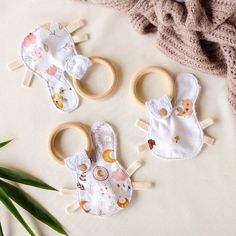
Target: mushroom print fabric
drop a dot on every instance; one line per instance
(104, 186)
(174, 131)
(49, 52)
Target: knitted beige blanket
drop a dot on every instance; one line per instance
(198, 33)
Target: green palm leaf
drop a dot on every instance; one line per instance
(5, 143)
(23, 178)
(29, 204)
(1, 233)
(10, 206)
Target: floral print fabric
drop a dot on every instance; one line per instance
(49, 52)
(104, 187)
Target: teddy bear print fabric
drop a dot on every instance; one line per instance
(49, 52)
(174, 131)
(104, 186)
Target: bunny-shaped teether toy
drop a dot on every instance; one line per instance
(104, 186)
(174, 131)
(50, 53)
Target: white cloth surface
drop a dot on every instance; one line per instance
(192, 197)
(177, 134)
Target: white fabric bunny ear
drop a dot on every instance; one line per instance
(176, 133)
(188, 89)
(104, 140)
(159, 108)
(79, 162)
(77, 66)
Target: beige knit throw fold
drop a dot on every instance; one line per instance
(197, 33)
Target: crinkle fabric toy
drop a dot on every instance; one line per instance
(49, 52)
(174, 131)
(104, 187)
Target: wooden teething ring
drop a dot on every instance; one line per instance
(68, 125)
(84, 93)
(141, 75)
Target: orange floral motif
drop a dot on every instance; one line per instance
(163, 112)
(123, 204)
(100, 173)
(177, 138)
(107, 156)
(46, 26)
(82, 204)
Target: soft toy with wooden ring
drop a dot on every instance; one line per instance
(140, 76)
(78, 84)
(104, 187)
(60, 128)
(174, 131)
(49, 52)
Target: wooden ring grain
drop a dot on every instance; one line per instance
(68, 125)
(84, 93)
(141, 75)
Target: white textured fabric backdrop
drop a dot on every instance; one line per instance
(195, 197)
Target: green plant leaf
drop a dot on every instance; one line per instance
(33, 207)
(10, 206)
(1, 232)
(5, 143)
(23, 178)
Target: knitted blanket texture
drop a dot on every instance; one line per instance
(200, 34)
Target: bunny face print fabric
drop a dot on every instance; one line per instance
(104, 186)
(49, 52)
(175, 132)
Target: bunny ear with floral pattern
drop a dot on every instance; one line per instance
(76, 66)
(104, 141)
(48, 52)
(79, 162)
